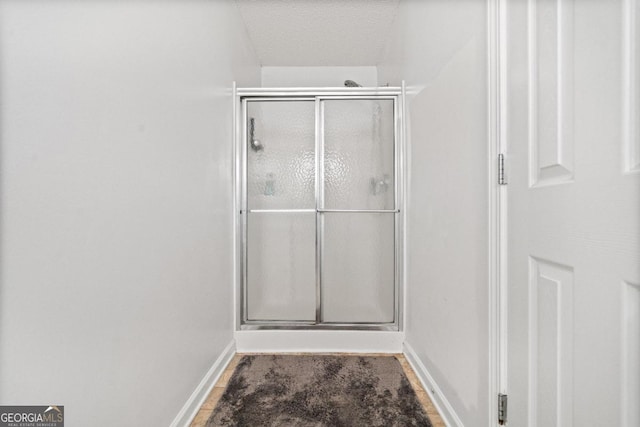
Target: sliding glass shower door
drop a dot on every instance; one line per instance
(281, 211)
(357, 211)
(320, 216)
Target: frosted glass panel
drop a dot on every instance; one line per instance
(281, 266)
(358, 267)
(358, 154)
(281, 173)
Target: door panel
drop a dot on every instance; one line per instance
(630, 354)
(358, 248)
(281, 246)
(281, 174)
(359, 154)
(551, 103)
(281, 259)
(358, 267)
(573, 214)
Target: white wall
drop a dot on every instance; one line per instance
(439, 48)
(318, 76)
(116, 232)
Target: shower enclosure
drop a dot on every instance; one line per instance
(319, 192)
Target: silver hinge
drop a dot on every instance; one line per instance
(502, 408)
(502, 180)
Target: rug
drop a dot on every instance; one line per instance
(318, 391)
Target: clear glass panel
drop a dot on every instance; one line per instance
(281, 260)
(281, 165)
(358, 267)
(359, 154)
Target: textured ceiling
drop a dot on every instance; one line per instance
(318, 32)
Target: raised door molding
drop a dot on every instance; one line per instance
(550, 343)
(550, 44)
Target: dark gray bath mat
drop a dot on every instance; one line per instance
(318, 391)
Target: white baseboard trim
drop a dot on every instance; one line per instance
(200, 394)
(278, 341)
(441, 403)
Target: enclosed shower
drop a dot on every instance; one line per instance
(319, 196)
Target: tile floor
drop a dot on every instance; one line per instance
(207, 408)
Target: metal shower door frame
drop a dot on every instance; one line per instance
(243, 96)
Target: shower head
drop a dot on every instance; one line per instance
(255, 144)
(351, 83)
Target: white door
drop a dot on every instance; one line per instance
(573, 156)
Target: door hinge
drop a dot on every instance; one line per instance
(502, 408)
(502, 180)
